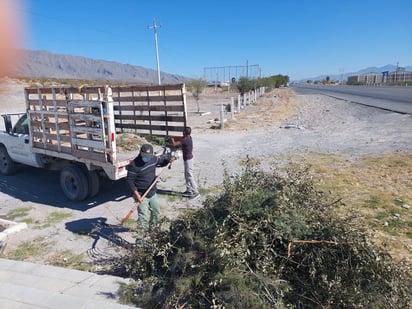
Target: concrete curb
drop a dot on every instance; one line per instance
(11, 227)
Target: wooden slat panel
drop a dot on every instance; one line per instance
(100, 157)
(146, 88)
(53, 147)
(149, 127)
(62, 126)
(52, 137)
(87, 104)
(49, 113)
(152, 98)
(85, 117)
(44, 90)
(150, 117)
(160, 108)
(146, 109)
(59, 102)
(65, 138)
(87, 130)
(95, 89)
(88, 143)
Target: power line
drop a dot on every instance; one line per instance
(111, 37)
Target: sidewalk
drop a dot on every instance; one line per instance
(25, 285)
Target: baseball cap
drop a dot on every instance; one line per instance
(146, 151)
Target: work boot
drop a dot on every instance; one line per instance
(194, 196)
(187, 193)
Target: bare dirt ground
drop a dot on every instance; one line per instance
(353, 148)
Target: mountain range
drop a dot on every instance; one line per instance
(42, 63)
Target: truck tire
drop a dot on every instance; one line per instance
(94, 183)
(74, 183)
(7, 165)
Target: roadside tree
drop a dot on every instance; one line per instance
(196, 88)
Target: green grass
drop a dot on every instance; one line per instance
(18, 213)
(53, 218)
(210, 190)
(382, 215)
(29, 249)
(374, 202)
(397, 223)
(398, 201)
(130, 223)
(173, 198)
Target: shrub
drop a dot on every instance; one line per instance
(269, 240)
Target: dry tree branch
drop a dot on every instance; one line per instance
(309, 242)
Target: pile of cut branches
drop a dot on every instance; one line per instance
(268, 240)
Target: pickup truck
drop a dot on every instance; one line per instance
(73, 130)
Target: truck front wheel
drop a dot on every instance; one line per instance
(7, 165)
(74, 182)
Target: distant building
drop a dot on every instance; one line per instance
(399, 77)
(375, 79)
(366, 79)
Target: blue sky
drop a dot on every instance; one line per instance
(300, 39)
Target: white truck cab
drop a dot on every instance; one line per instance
(15, 145)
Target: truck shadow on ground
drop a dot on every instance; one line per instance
(41, 186)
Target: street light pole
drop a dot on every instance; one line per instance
(154, 27)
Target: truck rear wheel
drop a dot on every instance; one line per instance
(7, 165)
(74, 182)
(94, 183)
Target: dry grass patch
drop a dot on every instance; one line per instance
(376, 192)
(68, 259)
(28, 250)
(276, 106)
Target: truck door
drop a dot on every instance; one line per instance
(18, 142)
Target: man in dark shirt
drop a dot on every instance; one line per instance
(186, 143)
(141, 173)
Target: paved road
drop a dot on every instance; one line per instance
(398, 99)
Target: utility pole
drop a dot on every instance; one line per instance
(154, 27)
(341, 70)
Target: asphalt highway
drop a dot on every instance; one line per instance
(392, 98)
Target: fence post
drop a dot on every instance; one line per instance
(222, 116)
(232, 106)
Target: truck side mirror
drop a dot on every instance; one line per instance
(7, 123)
